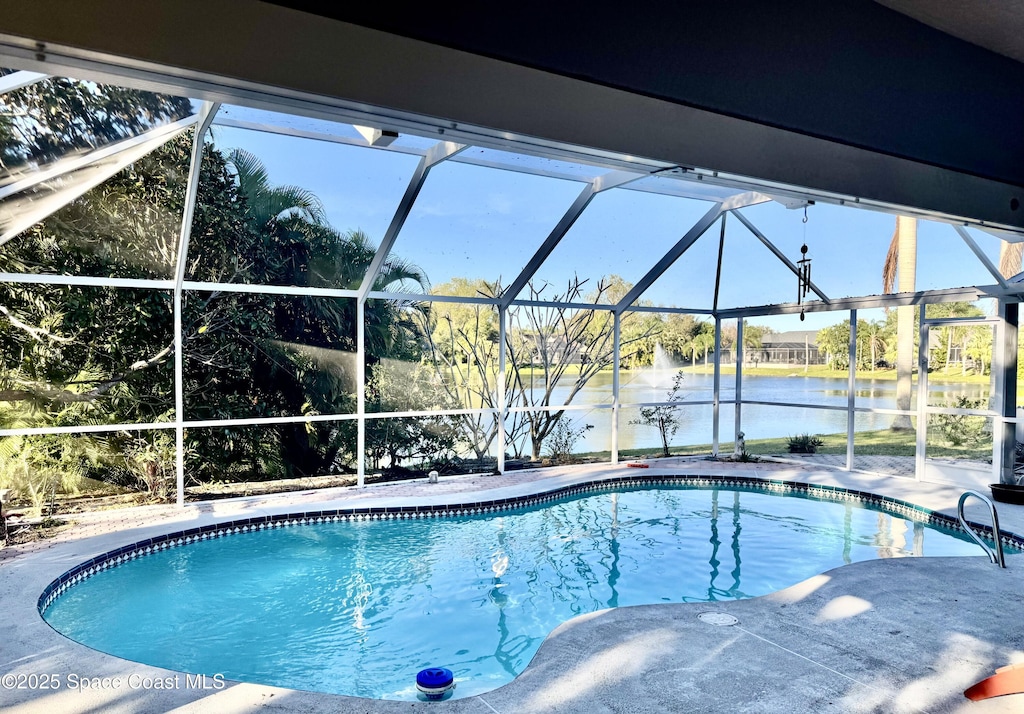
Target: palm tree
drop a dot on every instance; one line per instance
(979, 348)
(873, 336)
(753, 339)
(703, 343)
(307, 365)
(957, 333)
(271, 203)
(901, 263)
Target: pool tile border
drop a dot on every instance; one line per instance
(823, 492)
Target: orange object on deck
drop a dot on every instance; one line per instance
(634, 465)
(1006, 680)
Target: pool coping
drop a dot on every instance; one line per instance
(31, 645)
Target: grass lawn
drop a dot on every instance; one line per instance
(819, 370)
(883, 442)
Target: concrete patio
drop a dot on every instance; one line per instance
(905, 635)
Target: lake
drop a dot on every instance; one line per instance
(759, 421)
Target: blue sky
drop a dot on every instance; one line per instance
(483, 223)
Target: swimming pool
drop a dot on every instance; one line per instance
(358, 604)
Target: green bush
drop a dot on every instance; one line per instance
(962, 429)
(562, 441)
(804, 444)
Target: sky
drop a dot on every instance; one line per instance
(476, 222)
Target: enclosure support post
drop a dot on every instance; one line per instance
(1004, 370)
(206, 115)
(361, 391)
(617, 341)
(922, 395)
(502, 350)
(851, 386)
(738, 427)
(718, 385)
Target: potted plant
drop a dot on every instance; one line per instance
(1009, 492)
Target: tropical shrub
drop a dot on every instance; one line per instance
(804, 444)
(962, 429)
(561, 442)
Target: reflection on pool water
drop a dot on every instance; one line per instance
(359, 608)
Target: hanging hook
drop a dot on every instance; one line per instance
(805, 213)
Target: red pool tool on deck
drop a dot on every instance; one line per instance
(638, 465)
(1006, 680)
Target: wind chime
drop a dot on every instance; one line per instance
(803, 272)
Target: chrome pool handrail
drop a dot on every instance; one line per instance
(994, 555)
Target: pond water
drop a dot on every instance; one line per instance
(759, 421)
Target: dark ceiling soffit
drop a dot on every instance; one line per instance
(850, 71)
(347, 72)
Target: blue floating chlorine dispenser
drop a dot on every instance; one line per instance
(435, 682)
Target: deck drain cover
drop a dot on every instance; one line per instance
(720, 619)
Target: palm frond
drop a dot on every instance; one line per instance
(1010, 258)
(398, 272)
(281, 201)
(360, 241)
(252, 174)
(268, 202)
(891, 261)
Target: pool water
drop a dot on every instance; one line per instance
(359, 608)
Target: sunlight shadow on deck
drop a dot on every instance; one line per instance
(961, 661)
(843, 607)
(606, 668)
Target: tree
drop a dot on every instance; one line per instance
(979, 348)
(60, 117)
(677, 335)
(269, 204)
(545, 341)
(391, 441)
(106, 349)
(547, 346)
(463, 349)
(77, 355)
(289, 355)
(642, 330)
(874, 337)
(753, 336)
(901, 261)
(703, 343)
(664, 418)
(1010, 258)
(834, 342)
(950, 334)
(84, 355)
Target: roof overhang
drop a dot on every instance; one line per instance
(281, 58)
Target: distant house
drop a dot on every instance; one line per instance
(796, 347)
(554, 346)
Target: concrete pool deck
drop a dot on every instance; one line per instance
(880, 636)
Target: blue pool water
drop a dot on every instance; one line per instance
(359, 608)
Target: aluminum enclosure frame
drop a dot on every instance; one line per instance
(444, 150)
